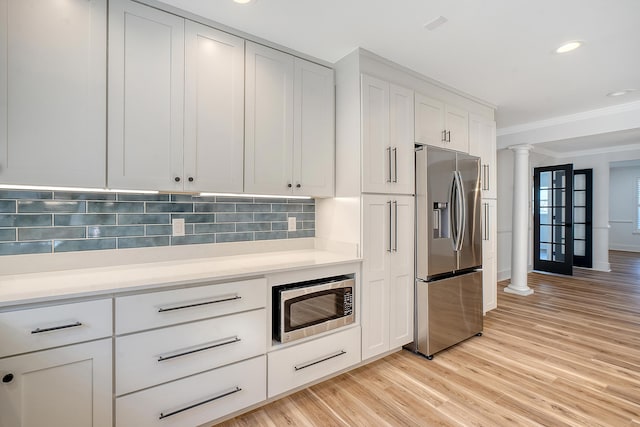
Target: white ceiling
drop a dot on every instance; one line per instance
(501, 51)
(592, 144)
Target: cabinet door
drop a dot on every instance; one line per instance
(52, 90)
(214, 110)
(376, 151)
(429, 121)
(268, 121)
(146, 91)
(314, 130)
(377, 247)
(489, 254)
(401, 130)
(482, 143)
(67, 386)
(457, 126)
(401, 272)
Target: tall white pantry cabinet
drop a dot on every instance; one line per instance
(383, 110)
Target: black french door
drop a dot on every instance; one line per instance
(582, 211)
(553, 219)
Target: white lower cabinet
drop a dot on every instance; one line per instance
(197, 399)
(300, 364)
(67, 386)
(387, 273)
(489, 254)
(149, 358)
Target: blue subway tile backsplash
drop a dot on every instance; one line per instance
(51, 221)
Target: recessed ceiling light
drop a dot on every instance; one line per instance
(243, 1)
(569, 46)
(620, 92)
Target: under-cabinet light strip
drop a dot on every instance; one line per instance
(82, 189)
(265, 196)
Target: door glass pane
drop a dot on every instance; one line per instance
(558, 253)
(579, 215)
(545, 251)
(558, 234)
(558, 197)
(559, 179)
(579, 198)
(580, 182)
(579, 231)
(558, 215)
(545, 233)
(545, 180)
(579, 247)
(545, 198)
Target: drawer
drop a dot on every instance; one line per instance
(154, 357)
(152, 310)
(195, 400)
(45, 327)
(303, 363)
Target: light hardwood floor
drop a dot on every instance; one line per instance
(567, 355)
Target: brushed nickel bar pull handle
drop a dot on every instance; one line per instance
(225, 341)
(395, 164)
(488, 180)
(56, 328)
(198, 304)
(389, 247)
(389, 155)
(444, 136)
(486, 221)
(395, 219)
(448, 136)
(306, 365)
(195, 405)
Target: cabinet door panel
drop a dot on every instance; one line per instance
(457, 125)
(489, 254)
(52, 87)
(268, 120)
(401, 295)
(376, 151)
(482, 143)
(146, 89)
(68, 386)
(214, 110)
(313, 149)
(377, 244)
(429, 120)
(401, 122)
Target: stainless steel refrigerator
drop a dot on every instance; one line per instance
(448, 303)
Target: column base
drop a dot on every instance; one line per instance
(522, 292)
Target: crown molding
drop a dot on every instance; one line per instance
(590, 152)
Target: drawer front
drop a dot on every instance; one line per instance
(152, 310)
(154, 357)
(195, 400)
(45, 327)
(298, 365)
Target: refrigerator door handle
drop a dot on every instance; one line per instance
(453, 223)
(461, 222)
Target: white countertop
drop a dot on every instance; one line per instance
(47, 286)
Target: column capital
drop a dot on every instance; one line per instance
(521, 147)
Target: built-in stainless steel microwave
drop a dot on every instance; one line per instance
(308, 308)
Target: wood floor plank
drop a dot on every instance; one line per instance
(568, 355)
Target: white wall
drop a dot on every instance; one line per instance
(622, 207)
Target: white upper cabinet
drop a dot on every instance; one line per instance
(176, 103)
(289, 137)
(482, 143)
(268, 120)
(440, 124)
(387, 132)
(146, 97)
(314, 130)
(52, 90)
(214, 110)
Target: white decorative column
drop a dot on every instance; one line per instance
(520, 222)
